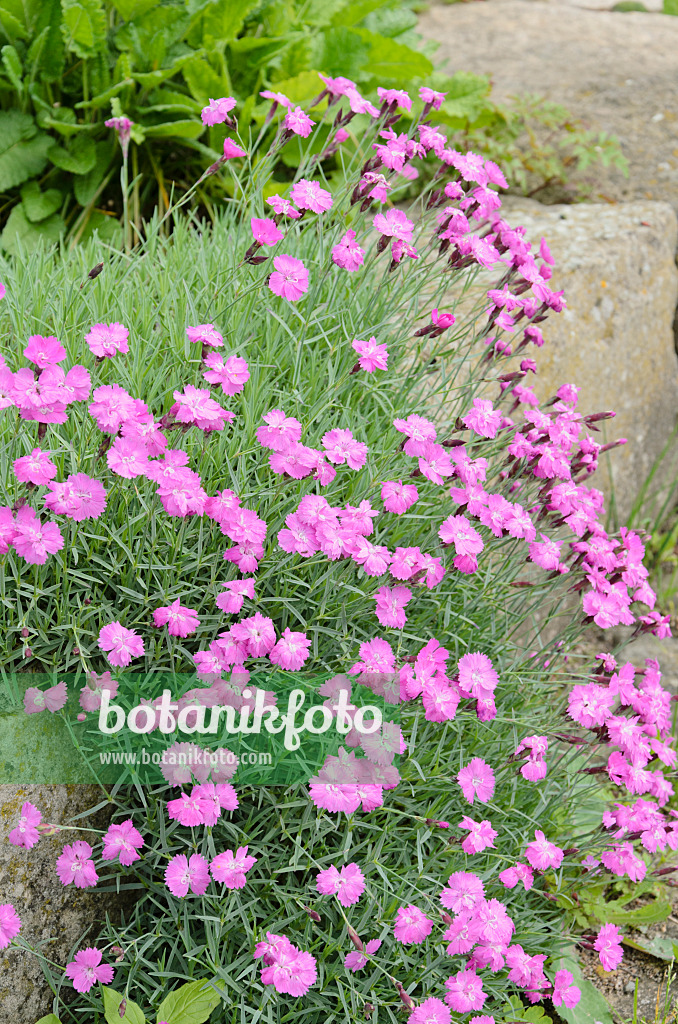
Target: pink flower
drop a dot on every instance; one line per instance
(236, 591)
(346, 884)
(341, 446)
(257, 632)
(87, 969)
(391, 605)
(431, 1011)
(355, 961)
(372, 356)
(564, 990)
(217, 111)
(463, 891)
(483, 418)
(347, 254)
(480, 836)
(52, 700)
(477, 677)
(291, 650)
(205, 334)
(34, 540)
(123, 128)
(182, 874)
(277, 98)
(231, 869)
(121, 644)
(396, 97)
(518, 873)
(308, 195)
(10, 924)
(180, 621)
(289, 970)
(280, 432)
(122, 842)
(79, 497)
(105, 340)
(477, 780)
(196, 406)
(397, 496)
(127, 457)
(430, 96)
(289, 279)
(542, 854)
(465, 992)
(26, 834)
(412, 925)
(231, 150)
(232, 373)
(283, 207)
(299, 122)
(36, 468)
(75, 865)
(608, 947)
(394, 224)
(44, 351)
(265, 230)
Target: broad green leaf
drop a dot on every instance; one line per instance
(182, 129)
(51, 1018)
(112, 999)
(79, 158)
(149, 79)
(616, 912)
(50, 54)
(189, 1004)
(18, 17)
(466, 95)
(391, 22)
(130, 10)
(351, 14)
(203, 81)
(393, 61)
(13, 69)
(19, 231)
(670, 7)
(105, 97)
(85, 185)
(223, 20)
(84, 26)
(661, 947)
(342, 51)
(109, 229)
(62, 120)
(592, 1008)
(301, 88)
(23, 150)
(39, 205)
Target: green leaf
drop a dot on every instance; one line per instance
(149, 79)
(104, 98)
(17, 17)
(203, 81)
(670, 7)
(174, 129)
(352, 14)
(85, 185)
(130, 10)
(49, 1019)
(301, 88)
(190, 1004)
(109, 229)
(615, 912)
(13, 69)
(112, 999)
(84, 26)
(39, 205)
(79, 158)
(19, 232)
(223, 20)
(392, 61)
(23, 150)
(341, 51)
(50, 52)
(592, 1008)
(660, 946)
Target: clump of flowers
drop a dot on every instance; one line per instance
(306, 485)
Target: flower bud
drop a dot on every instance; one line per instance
(355, 939)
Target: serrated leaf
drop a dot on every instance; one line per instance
(51, 53)
(353, 13)
(133, 1013)
(17, 17)
(79, 158)
(84, 26)
(341, 51)
(39, 205)
(189, 1004)
(129, 10)
(616, 912)
(661, 947)
(23, 150)
(203, 81)
(20, 233)
(149, 79)
(223, 20)
(302, 87)
(174, 129)
(13, 69)
(390, 61)
(592, 1008)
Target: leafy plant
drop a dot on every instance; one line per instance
(65, 63)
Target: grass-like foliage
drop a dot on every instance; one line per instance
(461, 602)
